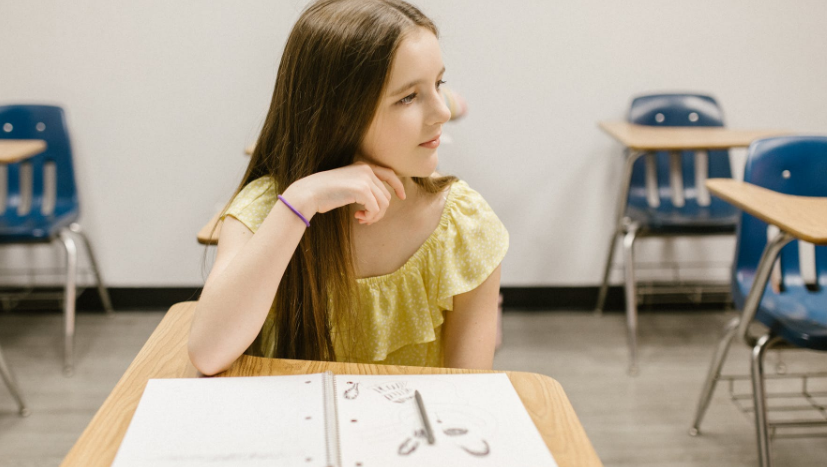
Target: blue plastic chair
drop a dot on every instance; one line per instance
(794, 311)
(666, 191)
(41, 203)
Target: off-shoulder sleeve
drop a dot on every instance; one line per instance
(473, 244)
(252, 204)
(402, 312)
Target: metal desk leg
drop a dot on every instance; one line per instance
(8, 377)
(631, 295)
(759, 283)
(760, 397)
(69, 297)
(713, 374)
(619, 226)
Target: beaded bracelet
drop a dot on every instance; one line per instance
(306, 222)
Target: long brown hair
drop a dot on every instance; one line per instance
(331, 77)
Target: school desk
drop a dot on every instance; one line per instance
(208, 235)
(803, 217)
(165, 356)
(640, 139)
(797, 217)
(15, 150)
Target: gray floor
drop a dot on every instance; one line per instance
(638, 421)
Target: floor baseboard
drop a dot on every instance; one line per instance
(514, 298)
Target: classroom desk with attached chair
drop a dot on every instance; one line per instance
(793, 308)
(165, 356)
(647, 141)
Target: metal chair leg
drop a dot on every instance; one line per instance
(69, 297)
(631, 295)
(102, 291)
(604, 287)
(8, 377)
(760, 397)
(714, 373)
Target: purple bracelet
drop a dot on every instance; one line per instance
(306, 222)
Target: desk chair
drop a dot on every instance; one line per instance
(794, 303)
(663, 199)
(39, 201)
(8, 377)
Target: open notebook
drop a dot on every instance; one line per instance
(322, 420)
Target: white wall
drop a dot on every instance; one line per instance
(163, 96)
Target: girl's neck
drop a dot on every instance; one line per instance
(412, 194)
(397, 206)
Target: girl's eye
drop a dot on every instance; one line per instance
(408, 99)
(440, 83)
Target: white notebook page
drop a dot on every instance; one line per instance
(246, 421)
(477, 420)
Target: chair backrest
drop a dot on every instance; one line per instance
(656, 190)
(42, 185)
(794, 165)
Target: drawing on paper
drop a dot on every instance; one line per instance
(353, 391)
(458, 426)
(398, 392)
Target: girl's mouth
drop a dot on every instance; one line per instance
(432, 144)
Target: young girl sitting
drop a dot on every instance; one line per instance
(343, 243)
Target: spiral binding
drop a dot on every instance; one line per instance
(331, 420)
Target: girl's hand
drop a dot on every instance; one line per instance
(360, 183)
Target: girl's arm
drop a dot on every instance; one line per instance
(241, 287)
(470, 330)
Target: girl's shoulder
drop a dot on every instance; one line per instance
(472, 244)
(252, 204)
(468, 209)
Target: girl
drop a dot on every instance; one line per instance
(343, 243)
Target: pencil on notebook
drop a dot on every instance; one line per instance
(421, 405)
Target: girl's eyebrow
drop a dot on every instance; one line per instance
(412, 84)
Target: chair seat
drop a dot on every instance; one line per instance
(797, 314)
(690, 219)
(34, 229)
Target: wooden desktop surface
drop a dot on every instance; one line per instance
(804, 217)
(15, 150)
(165, 356)
(649, 138)
(208, 235)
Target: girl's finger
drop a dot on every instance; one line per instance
(389, 176)
(382, 200)
(368, 200)
(381, 185)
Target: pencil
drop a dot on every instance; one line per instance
(421, 405)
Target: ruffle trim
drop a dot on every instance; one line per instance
(465, 248)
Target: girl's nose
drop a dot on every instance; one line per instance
(440, 111)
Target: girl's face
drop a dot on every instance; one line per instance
(404, 133)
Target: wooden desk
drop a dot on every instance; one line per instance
(796, 217)
(165, 356)
(804, 217)
(15, 150)
(651, 138)
(208, 235)
(799, 217)
(645, 141)
(642, 140)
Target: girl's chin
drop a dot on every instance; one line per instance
(428, 168)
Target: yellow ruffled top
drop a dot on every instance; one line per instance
(402, 312)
